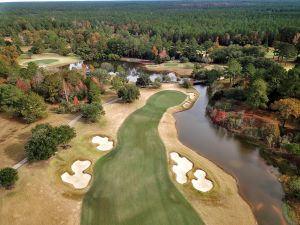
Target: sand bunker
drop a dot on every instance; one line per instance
(80, 179)
(183, 166)
(186, 105)
(201, 183)
(192, 95)
(103, 143)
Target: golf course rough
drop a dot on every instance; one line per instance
(131, 185)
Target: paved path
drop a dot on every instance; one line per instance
(71, 124)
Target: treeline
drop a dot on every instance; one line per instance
(109, 30)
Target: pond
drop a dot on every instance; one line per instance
(257, 181)
(132, 69)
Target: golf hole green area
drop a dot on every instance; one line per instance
(131, 185)
(45, 61)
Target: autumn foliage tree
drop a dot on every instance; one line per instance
(287, 108)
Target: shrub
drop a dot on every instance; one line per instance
(156, 83)
(217, 95)
(143, 80)
(251, 131)
(218, 117)
(183, 59)
(8, 177)
(294, 187)
(293, 148)
(117, 83)
(129, 93)
(102, 74)
(237, 93)
(113, 57)
(187, 84)
(67, 107)
(107, 66)
(92, 112)
(212, 75)
(224, 106)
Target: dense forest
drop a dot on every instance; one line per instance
(104, 30)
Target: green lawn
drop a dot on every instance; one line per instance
(171, 64)
(131, 185)
(44, 61)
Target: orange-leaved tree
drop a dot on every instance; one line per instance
(287, 108)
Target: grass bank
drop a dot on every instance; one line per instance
(131, 184)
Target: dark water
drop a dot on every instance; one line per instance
(256, 180)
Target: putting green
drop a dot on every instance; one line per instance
(131, 185)
(44, 61)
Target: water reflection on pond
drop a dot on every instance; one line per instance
(257, 181)
(133, 71)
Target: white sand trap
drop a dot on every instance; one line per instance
(103, 143)
(80, 179)
(186, 105)
(192, 95)
(201, 183)
(183, 166)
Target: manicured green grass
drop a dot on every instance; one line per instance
(171, 64)
(131, 185)
(44, 61)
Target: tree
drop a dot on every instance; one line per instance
(32, 107)
(117, 82)
(250, 71)
(107, 66)
(64, 133)
(94, 92)
(9, 54)
(101, 74)
(129, 93)
(212, 75)
(30, 71)
(143, 80)
(187, 83)
(257, 94)
(8, 177)
(52, 87)
(41, 145)
(9, 97)
(288, 108)
(92, 112)
(290, 86)
(37, 47)
(285, 50)
(45, 139)
(234, 69)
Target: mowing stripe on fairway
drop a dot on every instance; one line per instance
(131, 185)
